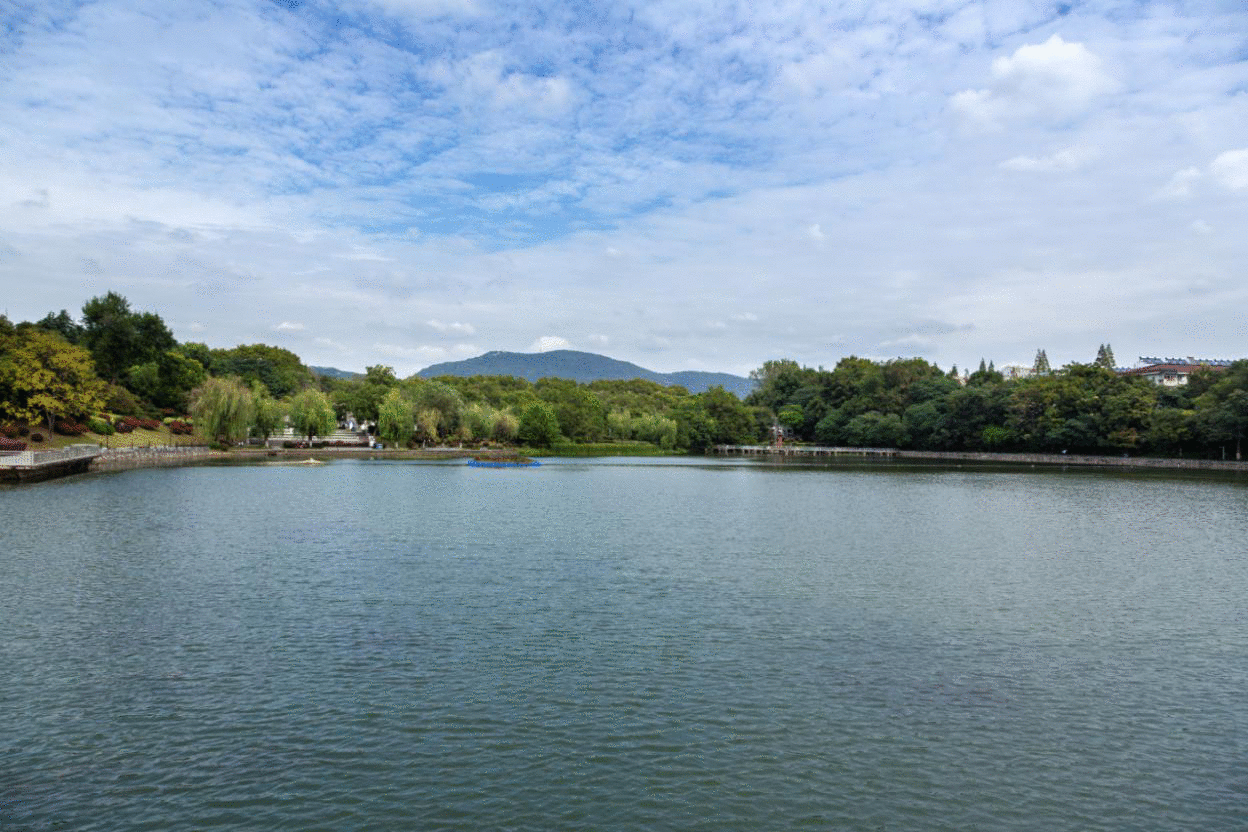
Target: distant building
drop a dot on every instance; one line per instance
(1016, 371)
(1172, 372)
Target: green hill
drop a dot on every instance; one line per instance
(582, 367)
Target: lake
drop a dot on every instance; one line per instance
(624, 644)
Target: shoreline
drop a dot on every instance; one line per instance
(121, 459)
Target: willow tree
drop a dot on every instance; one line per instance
(311, 413)
(270, 413)
(223, 409)
(395, 419)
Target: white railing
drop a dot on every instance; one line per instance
(22, 459)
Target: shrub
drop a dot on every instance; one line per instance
(36, 437)
(22, 430)
(179, 428)
(68, 427)
(101, 427)
(9, 431)
(120, 400)
(9, 444)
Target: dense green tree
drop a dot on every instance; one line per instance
(538, 427)
(581, 415)
(43, 376)
(1222, 410)
(278, 369)
(62, 324)
(311, 413)
(223, 409)
(985, 375)
(792, 417)
(1169, 430)
(119, 338)
(733, 423)
(776, 382)
(166, 381)
(198, 352)
(442, 398)
(395, 417)
(875, 430)
(362, 397)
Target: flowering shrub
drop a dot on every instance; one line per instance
(179, 428)
(9, 431)
(68, 427)
(129, 423)
(8, 444)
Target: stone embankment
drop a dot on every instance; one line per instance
(116, 459)
(954, 457)
(1074, 459)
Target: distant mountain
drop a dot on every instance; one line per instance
(583, 367)
(334, 372)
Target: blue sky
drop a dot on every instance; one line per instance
(686, 185)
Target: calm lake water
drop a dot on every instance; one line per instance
(623, 645)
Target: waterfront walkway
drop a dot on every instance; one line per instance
(31, 466)
(956, 457)
(799, 450)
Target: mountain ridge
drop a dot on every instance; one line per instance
(582, 367)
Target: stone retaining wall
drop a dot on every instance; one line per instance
(115, 459)
(1075, 459)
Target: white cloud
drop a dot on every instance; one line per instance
(1067, 159)
(332, 344)
(1181, 184)
(421, 9)
(487, 77)
(289, 326)
(1230, 169)
(1054, 79)
(427, 353)
(375, 177)
(546, 343)
(456, 328)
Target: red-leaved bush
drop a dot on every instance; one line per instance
(68, 427)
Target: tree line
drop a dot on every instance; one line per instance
(1079, 408)
(114, 361)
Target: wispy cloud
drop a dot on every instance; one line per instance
(409, 180)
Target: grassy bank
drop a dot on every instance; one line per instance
(138, 438)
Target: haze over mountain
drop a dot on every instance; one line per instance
(582, 367)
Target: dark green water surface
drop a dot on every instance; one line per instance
(623, 645)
